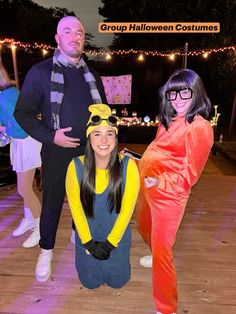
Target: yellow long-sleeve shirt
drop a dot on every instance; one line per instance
(101, 181)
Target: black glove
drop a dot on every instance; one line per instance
(107, 246)
(96, 251)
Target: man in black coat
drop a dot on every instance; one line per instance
(61, 90)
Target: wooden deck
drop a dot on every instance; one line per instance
(227, 149)
(205, 255)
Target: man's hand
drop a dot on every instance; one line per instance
(62, 140)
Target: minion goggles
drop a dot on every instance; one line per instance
(97, 120)
(100, 115)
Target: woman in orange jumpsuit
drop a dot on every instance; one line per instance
(170, 166)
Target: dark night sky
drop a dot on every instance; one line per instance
(87, 11)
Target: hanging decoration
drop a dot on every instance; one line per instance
(155, 53)
(118, 88)
(109, 53)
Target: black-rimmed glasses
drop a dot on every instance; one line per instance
(97, 120)
(185, 93)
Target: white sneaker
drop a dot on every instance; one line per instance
(146, 261)
(25, 225)
(72, 238)
(43, 267)
(33, 239)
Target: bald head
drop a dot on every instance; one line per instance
(68, 21)
(70, 38)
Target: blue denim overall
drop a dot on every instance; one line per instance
(115, 271)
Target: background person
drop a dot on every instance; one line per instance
(169, 167)
(102, 188)
(25, 158)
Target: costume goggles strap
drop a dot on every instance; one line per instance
(97, 120)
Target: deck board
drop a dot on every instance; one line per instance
(205, 255)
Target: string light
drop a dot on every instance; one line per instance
(153, 53)
(11, 41)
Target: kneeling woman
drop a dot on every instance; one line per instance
(102, 188)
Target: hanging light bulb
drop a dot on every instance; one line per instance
(44, 51)
(172, 57)
(141, 57)
(13, 47)
(108, 57)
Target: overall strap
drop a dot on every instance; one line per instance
(79, 168)
(124, 165)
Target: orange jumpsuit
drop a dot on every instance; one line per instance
(177, 157)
